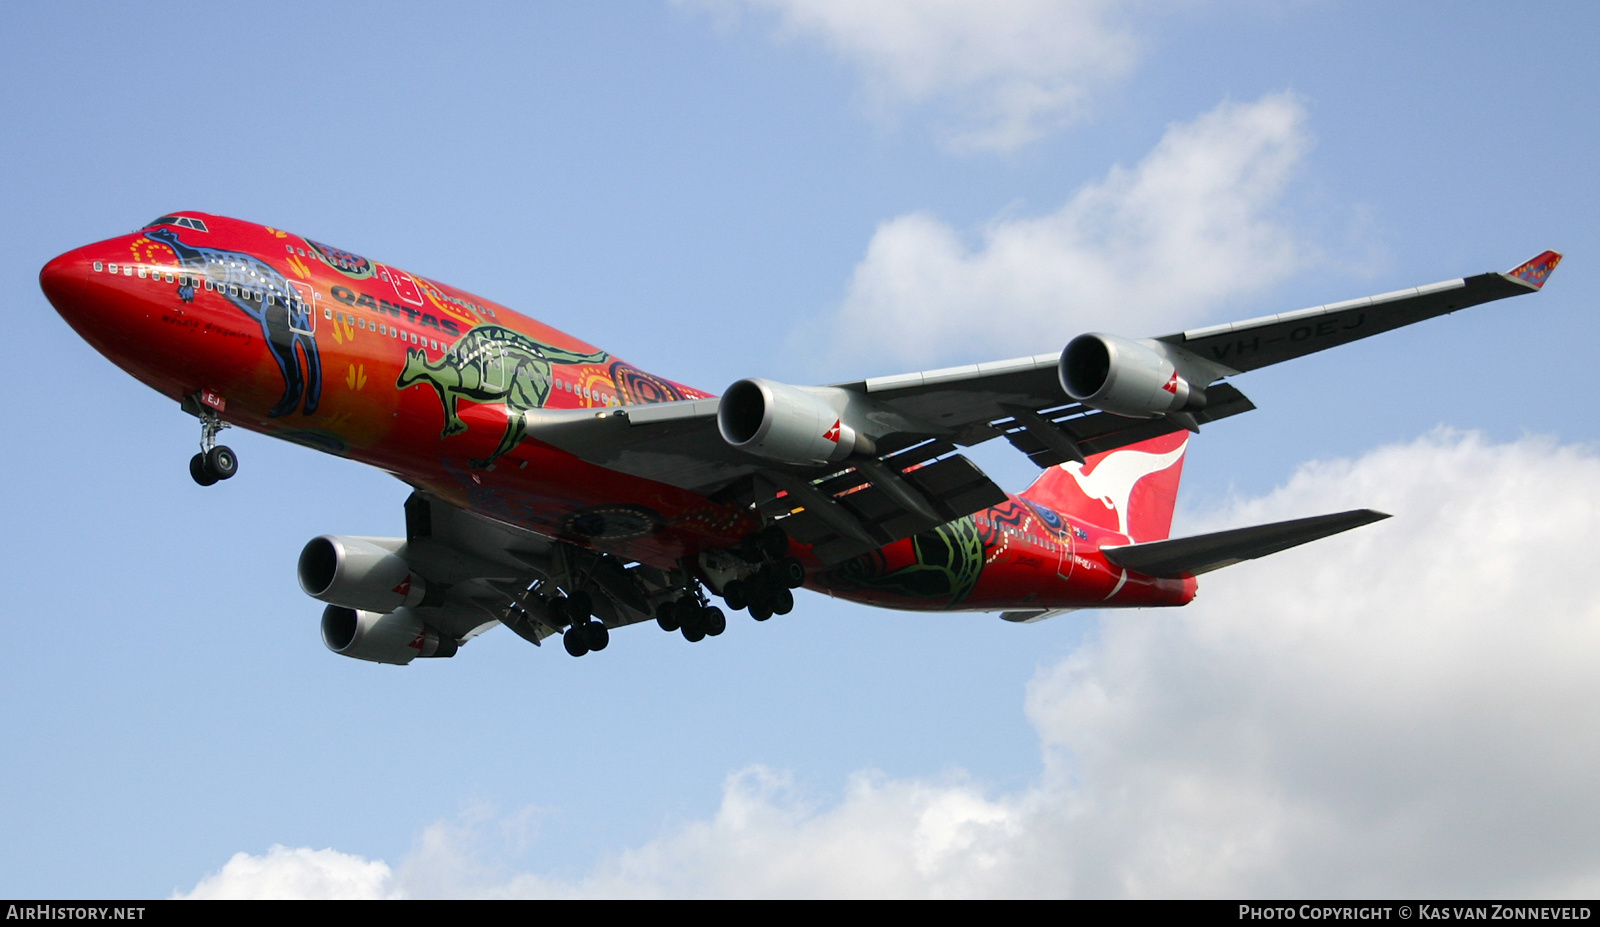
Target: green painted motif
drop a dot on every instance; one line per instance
(948, 561)
(491, 364)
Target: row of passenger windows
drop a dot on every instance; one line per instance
(381, 328)
(270, 295)
(1042, 540)
(384, 328)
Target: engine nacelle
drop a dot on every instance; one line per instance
(360, 573)
(787, 423)
(397, 637)
(1126, 378)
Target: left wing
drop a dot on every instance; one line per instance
(855, 466)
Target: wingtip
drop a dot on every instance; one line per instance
(1535, 272)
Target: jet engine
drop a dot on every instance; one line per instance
(789, 423)
(1125, 378)
(360, 573)
(397, 637)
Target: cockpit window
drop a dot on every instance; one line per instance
(180, 221)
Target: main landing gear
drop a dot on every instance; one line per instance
(585, 632)
(215, 461)
(690, 614)
(766, 592)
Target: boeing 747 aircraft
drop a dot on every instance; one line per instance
(558, 489)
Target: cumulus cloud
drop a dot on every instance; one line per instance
(1402, 710)
(1011, 71)
(1194, 225)
(284, 873)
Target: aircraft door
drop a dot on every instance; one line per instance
(495, 375)
(304, 308)
(405, 286)
(1062, 539)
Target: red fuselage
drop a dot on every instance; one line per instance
(318, 346)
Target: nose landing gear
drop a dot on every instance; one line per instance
(215, 461)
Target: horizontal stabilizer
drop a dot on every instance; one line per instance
(1201, 553)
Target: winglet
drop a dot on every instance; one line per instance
(1535, 272)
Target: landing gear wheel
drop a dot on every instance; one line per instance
(713, 621)
(782, 602)
(575, 641)
(667, 616)
(760, 611)
(693, 618)
(222, 462)
(792, 572)
(735, 595)
(200, 471)
(596, 636)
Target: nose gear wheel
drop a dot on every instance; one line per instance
(215, 461)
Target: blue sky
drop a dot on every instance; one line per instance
(815, 192)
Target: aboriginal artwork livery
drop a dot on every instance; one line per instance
(635, 386)
(492, 365)
(946, 564)
(351, 265)
(266, 296)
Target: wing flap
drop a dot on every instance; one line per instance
(861, 508)
(1202, 553)
(1076, 432)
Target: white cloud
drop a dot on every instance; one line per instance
(1147, 249)
(1013, 71)
(1406, 709)
(284, 873)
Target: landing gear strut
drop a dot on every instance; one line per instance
(215, 461)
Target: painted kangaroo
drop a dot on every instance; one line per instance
(265, 295)
(491, 364)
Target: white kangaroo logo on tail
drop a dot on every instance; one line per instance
(1117, 473)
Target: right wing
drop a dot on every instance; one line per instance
(911, 477)
(1272, 339)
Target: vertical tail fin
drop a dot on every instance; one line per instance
(1131, 490)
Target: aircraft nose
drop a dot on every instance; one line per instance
(64, 280)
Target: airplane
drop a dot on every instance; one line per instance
(559, 490)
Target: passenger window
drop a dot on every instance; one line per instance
(98, 267)
(327, 314)
(169, 278)
(141, 273)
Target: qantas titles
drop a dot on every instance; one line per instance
(349, 298)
